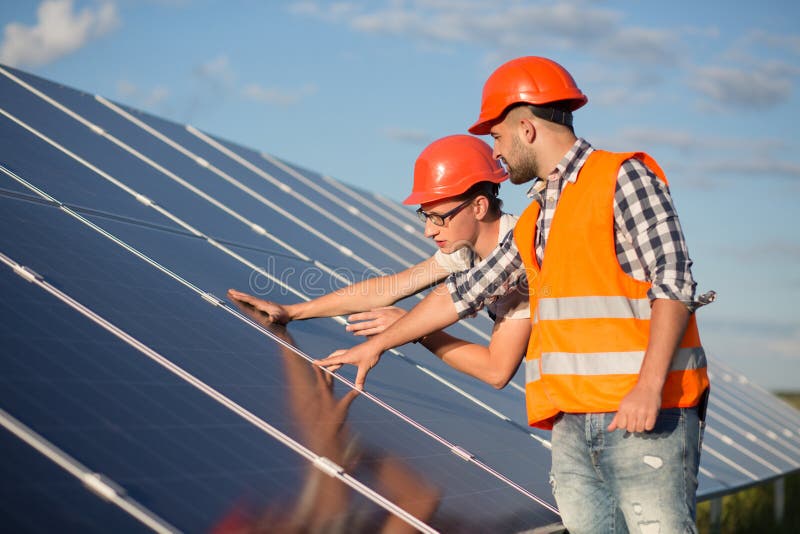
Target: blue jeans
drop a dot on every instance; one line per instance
(617, 482)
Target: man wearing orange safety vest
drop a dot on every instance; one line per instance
(614, 364)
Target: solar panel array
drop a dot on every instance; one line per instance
(134, 396)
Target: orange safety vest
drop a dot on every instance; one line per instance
(591, 320)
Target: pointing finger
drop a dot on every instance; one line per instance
(361, 378)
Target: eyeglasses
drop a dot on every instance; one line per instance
(438, 219)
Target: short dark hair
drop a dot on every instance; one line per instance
(488, 189)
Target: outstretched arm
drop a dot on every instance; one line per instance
(365, 295)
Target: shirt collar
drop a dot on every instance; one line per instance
(567, 168)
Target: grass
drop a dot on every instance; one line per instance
(752, 510)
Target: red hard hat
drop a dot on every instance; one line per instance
(531, 79)
(451, 165)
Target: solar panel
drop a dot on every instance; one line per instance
(232, 358)
(125, 359)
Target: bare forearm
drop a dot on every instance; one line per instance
(435, 312)
(468, 358)
(668, 320)
(365, 295)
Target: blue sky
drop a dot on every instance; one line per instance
(357, 89)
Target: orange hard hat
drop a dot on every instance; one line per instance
(532, 80)
(450, 166)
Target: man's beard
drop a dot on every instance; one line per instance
(524, 170)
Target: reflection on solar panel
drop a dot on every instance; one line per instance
(125, 374)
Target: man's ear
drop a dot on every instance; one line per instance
(480, 207)
(527, 130)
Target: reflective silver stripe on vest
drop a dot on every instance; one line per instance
(593, 308)
(532, 371)
(607, 363)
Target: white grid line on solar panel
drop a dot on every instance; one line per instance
(150, 202)
(97, 483)
(408, 228)
(209, 240)
(773, 413)
(260, 172)
(775, 407)
(216, 301)
(394, 207)
(730, 442)
(239, 185)
(727, 461)
(219, 303)
(707, 473)
(323, 464)
(545, 443)
(733, 406)
(516, 386)
(752, 438)
(353, 210)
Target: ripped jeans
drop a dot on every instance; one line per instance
(618, 482)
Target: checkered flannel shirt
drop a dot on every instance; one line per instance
(649, 240)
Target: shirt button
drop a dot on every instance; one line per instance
(550, 199)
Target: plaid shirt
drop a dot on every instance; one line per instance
(649, 241)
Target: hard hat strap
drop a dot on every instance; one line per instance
(552, 114)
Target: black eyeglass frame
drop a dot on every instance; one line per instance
(439, 220)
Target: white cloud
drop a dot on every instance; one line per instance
(146, 98)
(58, 31)
(788, 347)
(680, 140)
(770, 168)
(686, 141)
(404, 135)
(278, 96)
(332, 11)
(509, 25)
(750, 88)
(770, 250)
(788, 43)
(217, 70)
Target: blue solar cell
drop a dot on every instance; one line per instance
(510, 449)
(508, 402)
(38, 496)
(144, 179)
(73, 183)
(242, 363)
(166, 192)
(166, 444)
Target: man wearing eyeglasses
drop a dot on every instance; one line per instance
(456, 182)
